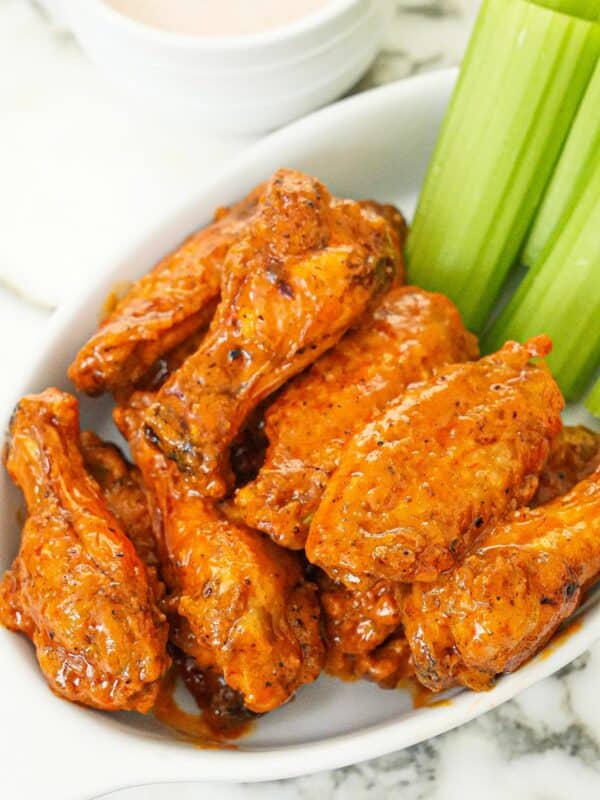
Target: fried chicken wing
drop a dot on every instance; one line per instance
(503, 603)
(223, 708)
(408, 335)
(388, 665)
(306, 269)
(77, 587)
(574, 455)
(358, 621)
(247, 611)
(162, 308)
(426, 478)
(123, 490)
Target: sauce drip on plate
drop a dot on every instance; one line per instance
(206, 728)
(209, 18)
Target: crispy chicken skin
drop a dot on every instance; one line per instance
(574, 455)
(77, 587)
(408, 335)
(388, 665)
(306, 269)
(426, 478)
(123, 490)
(363, 632)
(162, 308)
(243, 605)
(358, 621)
(502, 604)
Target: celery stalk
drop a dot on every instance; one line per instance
(576, 163)
(593, 400)
(560, 296)
(584, 9)
(522, 79)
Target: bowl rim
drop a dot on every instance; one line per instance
(304, 25)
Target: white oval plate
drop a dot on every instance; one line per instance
(374, 145)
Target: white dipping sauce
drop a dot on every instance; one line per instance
(216, 17)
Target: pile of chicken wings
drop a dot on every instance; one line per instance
(325, 476)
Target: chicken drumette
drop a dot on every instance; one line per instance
(425, 479)
(305, 270)
(501, 605)
(77, 587)
(162, 308)
(408, 335)
(240, 605)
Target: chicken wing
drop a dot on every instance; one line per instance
(388, 665)
(247, 611)
(124, 494)
(408, 335)
(224, 709)
(357, 622)
(427, 477)
(163, 307)
(574, 455)
(503, 603)
(77, 587)
(305, 271)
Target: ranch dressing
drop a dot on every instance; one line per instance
(216, 17)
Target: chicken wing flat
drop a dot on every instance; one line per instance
(306, 269)
(498, 608)
(77, 587)
(426, 478)
(408, 335)
(123, 490)
(248, 613)
(574, 455)
(162, 308)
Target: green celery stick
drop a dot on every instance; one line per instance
(576, 163)
(560, 296)
(584, 9)
(522, 79)
(592, 401)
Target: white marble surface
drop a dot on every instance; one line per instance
(78, 171)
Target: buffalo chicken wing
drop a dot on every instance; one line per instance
(77, 587)
(163, 308)
(501, 605)
(242, 606)
(424, 480)
(306, 269)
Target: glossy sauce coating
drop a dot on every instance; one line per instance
(305, 270)
(424, 480)
(574, 455)
(247, 611)
(403, 340)
(357, 622)
(123, 490)
(77, 587)
(162, 308)
(502, 604)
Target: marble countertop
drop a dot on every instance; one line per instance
(79, 169)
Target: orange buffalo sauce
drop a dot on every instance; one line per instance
(200, 728)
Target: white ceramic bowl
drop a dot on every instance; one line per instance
(243, 84)
(57, 751)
